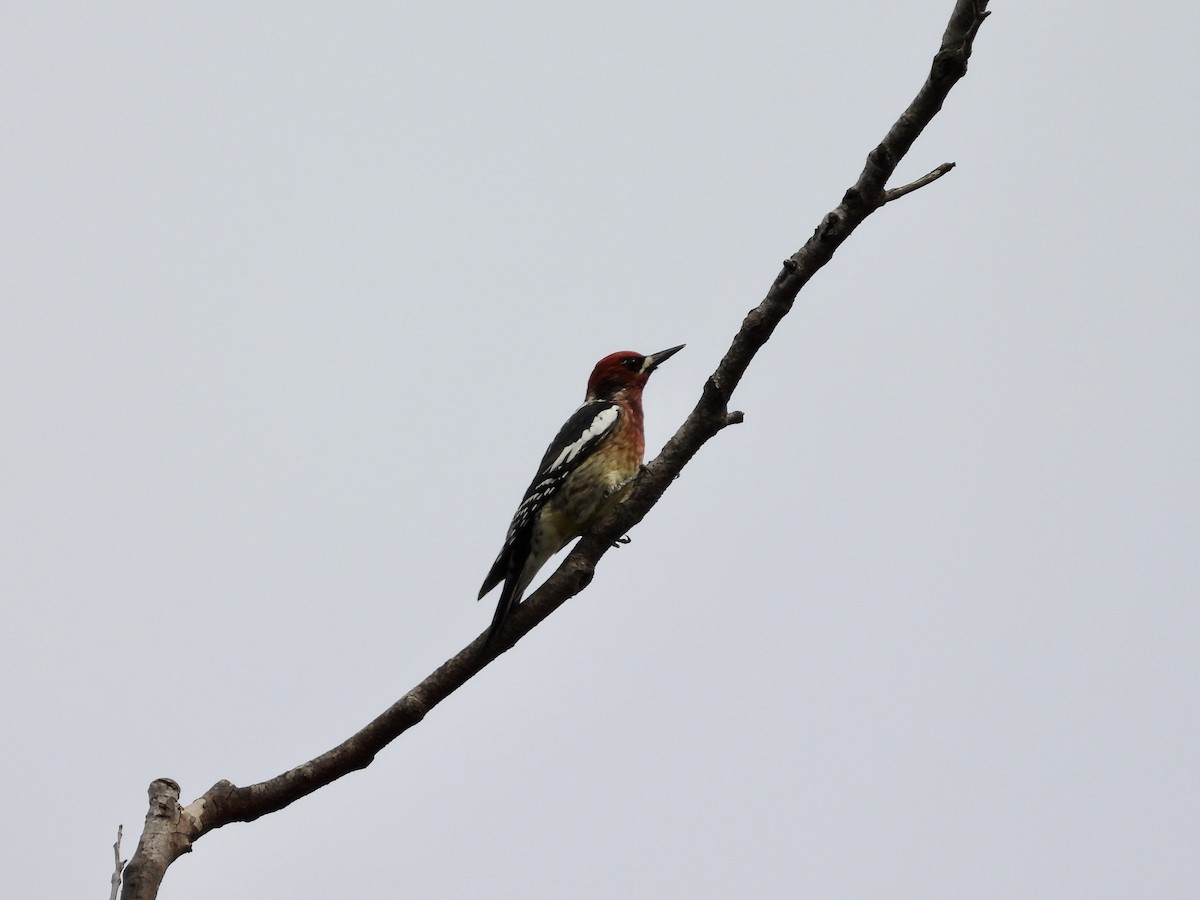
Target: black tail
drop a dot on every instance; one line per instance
(508, 599)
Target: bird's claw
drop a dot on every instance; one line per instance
(622, 540)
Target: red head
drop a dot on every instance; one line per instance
(624, 374)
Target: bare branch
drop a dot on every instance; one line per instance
(896, 193)
(171, 829)
(118, 863)
(164, 839)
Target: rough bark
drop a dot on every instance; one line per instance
(172, 829)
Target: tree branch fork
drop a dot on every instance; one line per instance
(171, 829)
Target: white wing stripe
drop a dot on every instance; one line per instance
(604, 420)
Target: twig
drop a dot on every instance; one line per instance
(897, 193)
(119, 865)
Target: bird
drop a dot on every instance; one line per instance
(583, 475)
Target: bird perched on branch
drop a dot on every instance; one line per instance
(583, 475)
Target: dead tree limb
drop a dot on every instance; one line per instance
(172, 829)
(118, 865)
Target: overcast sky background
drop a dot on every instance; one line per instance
(292, 300)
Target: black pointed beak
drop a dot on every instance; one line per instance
(654, 360)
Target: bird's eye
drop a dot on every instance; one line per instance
(632, 362)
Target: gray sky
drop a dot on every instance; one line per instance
(293, 301)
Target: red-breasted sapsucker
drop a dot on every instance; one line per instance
(582, 476)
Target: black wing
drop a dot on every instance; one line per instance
(577, 440)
